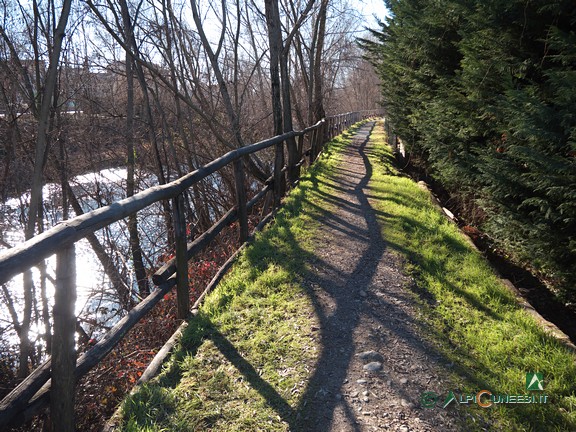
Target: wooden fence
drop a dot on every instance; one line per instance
(58, 375)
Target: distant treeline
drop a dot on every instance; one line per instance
(484, 91)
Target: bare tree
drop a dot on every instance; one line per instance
(168, 86)
(40, 102)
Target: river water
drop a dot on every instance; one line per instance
(96, 306)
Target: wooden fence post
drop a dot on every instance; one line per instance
(241, 199)
(293, 159)
(279, 179)
(320, 139)
(182, 288)
(63, 343)
(300, 146)
(313, 146)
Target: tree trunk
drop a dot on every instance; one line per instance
(139, 269)
(154, 141)
(43, 120)
(275, 41)
(293, 171)
(318, 102)
(38, 178)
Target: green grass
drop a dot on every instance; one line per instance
(469, 314)
(245, 361)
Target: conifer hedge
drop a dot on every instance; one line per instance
(485, 90)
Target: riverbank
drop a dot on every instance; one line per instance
(287, 340)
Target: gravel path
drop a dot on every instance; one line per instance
(374, 365)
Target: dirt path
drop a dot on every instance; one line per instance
(367, 319)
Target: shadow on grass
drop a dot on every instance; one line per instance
(280, 246)
(252, 376)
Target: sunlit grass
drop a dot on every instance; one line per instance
(470, 315)
(244, 363)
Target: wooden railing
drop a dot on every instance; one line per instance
(58, 375)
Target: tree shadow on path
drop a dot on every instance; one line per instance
(351, 289)
(366, 247)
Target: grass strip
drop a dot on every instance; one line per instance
(468, 313)
(244, 362)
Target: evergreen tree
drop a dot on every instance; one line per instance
(485, 92)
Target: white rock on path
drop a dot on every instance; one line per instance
(372, 356)
(373, 367)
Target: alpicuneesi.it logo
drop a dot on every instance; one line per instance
(485, 398)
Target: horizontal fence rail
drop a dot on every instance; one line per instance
(20, 258)
(34, 393)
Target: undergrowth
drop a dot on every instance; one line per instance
(472, 317)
